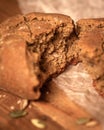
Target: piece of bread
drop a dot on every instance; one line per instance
(37, 46)
(33, 48)
(90, 49)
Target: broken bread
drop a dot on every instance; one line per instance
(37, 47)
(33, 48)
(90, 49)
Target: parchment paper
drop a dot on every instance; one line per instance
(76, 9)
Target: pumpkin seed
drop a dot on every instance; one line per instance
(91, 123)
(38, 123)
(83, 120)
(18, 113)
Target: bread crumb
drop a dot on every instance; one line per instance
(19, 101)
(12, 107)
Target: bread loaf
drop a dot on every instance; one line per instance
(90, 46)
(38, 46)
(33, 48)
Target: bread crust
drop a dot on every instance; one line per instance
(43, 42)
(38, 46)
(90, 48)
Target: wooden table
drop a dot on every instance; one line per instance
(54, 108)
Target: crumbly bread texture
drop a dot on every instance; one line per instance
(37, 46)
(90, 49)
(33, 48)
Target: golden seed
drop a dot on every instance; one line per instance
(38, 123)
(91, 123)
(23, 104)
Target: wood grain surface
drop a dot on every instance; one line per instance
(54, 108)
